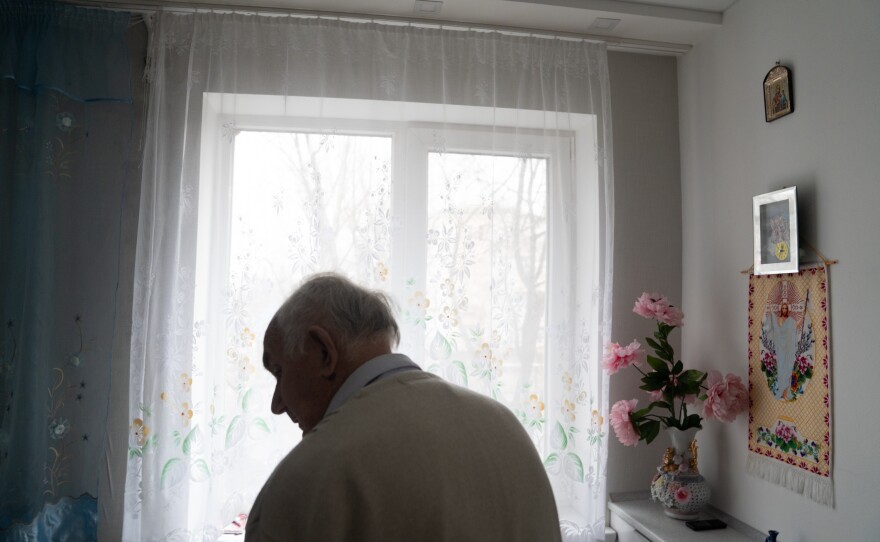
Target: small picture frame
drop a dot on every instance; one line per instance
(776, 232)
(778, 97)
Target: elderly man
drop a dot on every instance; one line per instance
(389, 452)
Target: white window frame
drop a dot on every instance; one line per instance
(411, 126)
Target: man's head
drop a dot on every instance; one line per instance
(323, 332)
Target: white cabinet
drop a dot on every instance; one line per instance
(625, 531)
(640, 520)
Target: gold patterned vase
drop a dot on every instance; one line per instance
(678, 485)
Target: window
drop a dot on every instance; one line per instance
(458, 217)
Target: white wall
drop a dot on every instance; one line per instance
(647, 228)
(830, 148)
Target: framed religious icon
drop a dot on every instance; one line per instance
(778, 98)
(776, 233)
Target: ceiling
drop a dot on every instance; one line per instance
(680, 23)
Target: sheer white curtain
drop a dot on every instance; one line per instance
(465, 172)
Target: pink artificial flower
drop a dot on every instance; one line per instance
(620, 357)
(727, 397)
(672, 317)
(657, 306)
(649, 305)
(621, 423)
(655, 395)
(682, 495)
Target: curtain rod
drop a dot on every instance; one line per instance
(619, 44)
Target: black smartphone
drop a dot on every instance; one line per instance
(705, 524)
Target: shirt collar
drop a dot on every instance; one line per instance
(371, 371)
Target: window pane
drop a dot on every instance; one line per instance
(313, 202)
(300, 203)
(487, 267)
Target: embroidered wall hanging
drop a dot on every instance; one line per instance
(789, 382)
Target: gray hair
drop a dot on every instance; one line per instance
(354, 314)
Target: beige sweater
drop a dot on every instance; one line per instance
(410, 458)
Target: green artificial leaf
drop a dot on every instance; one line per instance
(677, 368)
(658, 365)
(691, 375)
(652, 386)
(655, 376)
(654, 381)
(639, 414)
(693, 420)
(672, 421)
(689, 382)
(689, 388)
(663, 353)
(653, 344)
(649, 430)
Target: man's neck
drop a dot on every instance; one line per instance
(356, 356)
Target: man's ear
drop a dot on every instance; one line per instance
(327, 347)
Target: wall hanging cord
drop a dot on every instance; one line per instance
(825, 260)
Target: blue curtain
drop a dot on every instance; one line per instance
(65, 139)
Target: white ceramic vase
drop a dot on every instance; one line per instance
(678, 485)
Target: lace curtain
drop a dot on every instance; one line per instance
(465, 172)
(65, 137)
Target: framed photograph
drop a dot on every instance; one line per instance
(778, 98)
(776, 232)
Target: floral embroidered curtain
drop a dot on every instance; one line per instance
(64, 99)
(465, 172)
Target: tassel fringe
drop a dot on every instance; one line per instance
(809, 485)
